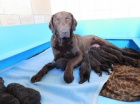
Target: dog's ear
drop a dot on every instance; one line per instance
(74, 23)
(51, 25)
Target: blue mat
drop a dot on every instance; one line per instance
(105, 100)
(52, 87)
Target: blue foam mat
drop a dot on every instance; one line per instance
(52, 87)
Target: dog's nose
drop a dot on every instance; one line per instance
(64, 32)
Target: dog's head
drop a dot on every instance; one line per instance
(62, 24)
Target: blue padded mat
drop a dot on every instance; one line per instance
(52, 87)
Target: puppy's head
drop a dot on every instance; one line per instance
(62, 24)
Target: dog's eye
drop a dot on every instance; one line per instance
(56, 20)
(67, 18)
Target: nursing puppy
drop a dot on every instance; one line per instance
(101, 59)
(85, 69)
(97, 66)
(123, 58)
(66, 44)
(107, 55)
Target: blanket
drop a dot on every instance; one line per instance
(123, 84)
(52, 87)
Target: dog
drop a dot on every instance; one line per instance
(125, 59)
(66, 44)
(6, 98)
(85, 69)
(61, 63)
(97, 66)
(101, 59)
(107, 55)
(24, 94)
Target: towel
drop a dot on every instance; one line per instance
(52, 87)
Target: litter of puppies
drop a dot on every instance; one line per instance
(102, 58)
(15, 93)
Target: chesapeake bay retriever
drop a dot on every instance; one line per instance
(107, 55)
(24, 94)
(66, 44)
(101, 59)
(124, 59)
(6, 98)
(85, 69)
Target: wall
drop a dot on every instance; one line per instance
(16, 12)
(98, 9)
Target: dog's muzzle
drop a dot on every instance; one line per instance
(64, 34)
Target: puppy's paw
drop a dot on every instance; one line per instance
(68, 77)
(36, 78)
(84, 76)
(100, 74)
(135, 63)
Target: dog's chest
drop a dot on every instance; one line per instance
(65, 50)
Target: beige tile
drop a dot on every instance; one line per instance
(41, 6)
(37, 6)
(24, 7)
(77, 15)
(116, 4)
(134, 11)
(26, 19)
(39, 18)
(47, 7)
(102, 4)
(9, 20)
(83, 4)
(1, 8)
(73, 5)
(58, 6)
(15, 7)
(119, 13)
(47, 18)
(103, 14)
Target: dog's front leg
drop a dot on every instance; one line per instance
(42, 72)
(68, 74)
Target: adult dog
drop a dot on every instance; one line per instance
(66, 44)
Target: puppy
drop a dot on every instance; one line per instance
(97, 66)
(107, 55)
(85, 69)
(101, 59)
(24, 95)
(61, 63)
(123, 59)
(6, 98)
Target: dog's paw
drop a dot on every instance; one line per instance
(36, 78)
(68, 77)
